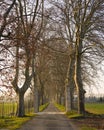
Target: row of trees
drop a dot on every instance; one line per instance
(82, 27)
(53, 46)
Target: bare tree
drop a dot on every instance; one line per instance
(80, 19)
(5, 16)
(84, 16)
(27, 35)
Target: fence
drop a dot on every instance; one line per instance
(9, 109)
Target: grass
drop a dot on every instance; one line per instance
(74, 114)
(95, 108)
(42, 107)
(71, 114)
(12, 123)
(60, 107)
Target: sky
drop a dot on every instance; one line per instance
(97, 88)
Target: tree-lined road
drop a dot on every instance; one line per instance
(49, 119)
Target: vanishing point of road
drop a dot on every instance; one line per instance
(49, 119)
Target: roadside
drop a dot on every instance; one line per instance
(88, 122)
(50, 119)
(14, 122)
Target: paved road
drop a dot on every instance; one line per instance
(49, 119)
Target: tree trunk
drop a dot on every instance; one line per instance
(68, 99)
(63, 100)
(81, 92)
(42, 94)
(21, 108)
(42, 99)
(70, 84)
(36, 101)
(78, 75)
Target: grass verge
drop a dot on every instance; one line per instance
(74, 114)
(83, 125)
(42, 107)
(12, 123)
(60, 107)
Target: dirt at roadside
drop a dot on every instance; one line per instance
(96, 122)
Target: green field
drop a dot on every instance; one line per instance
(95, 108)
(8, 109)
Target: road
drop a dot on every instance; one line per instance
(49, 119)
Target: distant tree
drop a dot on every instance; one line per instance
(43, 71)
